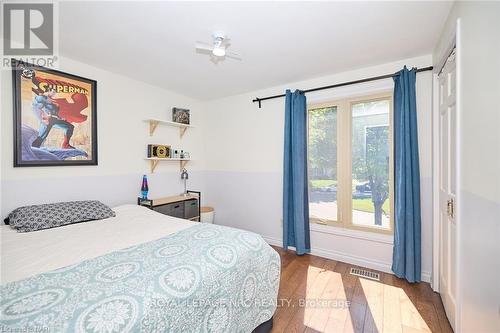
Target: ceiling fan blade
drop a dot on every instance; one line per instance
(203, 46)
(233, 55)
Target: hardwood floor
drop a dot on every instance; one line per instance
(319, 295)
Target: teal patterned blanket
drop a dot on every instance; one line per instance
(206, 278)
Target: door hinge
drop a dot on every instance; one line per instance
(450, 208)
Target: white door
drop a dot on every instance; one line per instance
(447, 187)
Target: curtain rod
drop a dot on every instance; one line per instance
(387, 76)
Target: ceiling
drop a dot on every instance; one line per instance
(279, 42)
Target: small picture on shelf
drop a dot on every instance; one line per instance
(180, 115)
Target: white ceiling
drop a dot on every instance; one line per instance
(280, 42)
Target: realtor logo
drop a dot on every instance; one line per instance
(29, 33)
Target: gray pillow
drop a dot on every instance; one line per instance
(38, 217)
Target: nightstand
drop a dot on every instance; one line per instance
(181, 206)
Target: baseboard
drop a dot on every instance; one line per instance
(348, 258)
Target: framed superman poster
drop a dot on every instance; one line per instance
(55, 117)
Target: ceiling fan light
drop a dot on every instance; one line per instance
(219, 52)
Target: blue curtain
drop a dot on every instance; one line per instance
(295, 189)
(406, 258)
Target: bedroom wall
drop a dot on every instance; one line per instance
(244, 157)
(122, 104)
(478, 65)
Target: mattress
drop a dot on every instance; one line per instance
(144, 272)
(26, 254)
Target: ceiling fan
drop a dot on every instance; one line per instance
(218, 48)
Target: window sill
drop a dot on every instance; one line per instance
(357, 234)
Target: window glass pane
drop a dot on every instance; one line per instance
(323, 164)
(370, 164)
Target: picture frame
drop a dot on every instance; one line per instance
(180, 116)
(55, 117)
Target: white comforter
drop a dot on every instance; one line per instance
(26, 254)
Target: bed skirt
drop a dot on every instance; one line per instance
(265, 327)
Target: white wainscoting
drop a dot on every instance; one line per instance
(348, 258)
(112, 190)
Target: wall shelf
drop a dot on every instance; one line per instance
(154, 162)
(153, 123)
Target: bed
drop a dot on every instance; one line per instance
(137, 271)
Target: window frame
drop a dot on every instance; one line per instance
(344, 161)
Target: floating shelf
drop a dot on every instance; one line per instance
(154, 162)
(153, 123)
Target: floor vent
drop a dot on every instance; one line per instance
(365, 273)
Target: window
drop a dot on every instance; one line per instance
(350, 163)
(323, 164)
